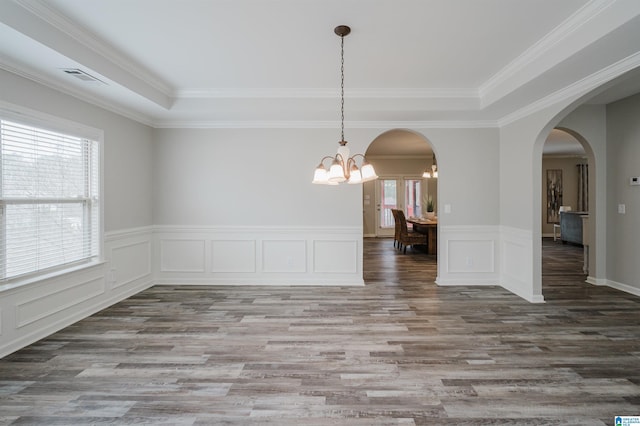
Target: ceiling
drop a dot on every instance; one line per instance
(275, 63)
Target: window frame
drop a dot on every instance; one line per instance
(47, 122)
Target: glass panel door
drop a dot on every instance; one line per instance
(386, 199)
(413, 197)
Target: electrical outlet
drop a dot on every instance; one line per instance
(622, 208)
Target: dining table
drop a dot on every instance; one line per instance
(429, 227)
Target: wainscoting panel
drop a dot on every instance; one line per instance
(335, 256)
(50, 301)
(130, 262)
(471, 256)
(468, 255)
(516, 263)
(182, 255)
(31, 310)
(259, 255)
(284, 256)
(233, 256)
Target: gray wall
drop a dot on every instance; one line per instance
(127, 148)
(623, 162)
(263, 177)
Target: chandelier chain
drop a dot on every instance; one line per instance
(342, 87)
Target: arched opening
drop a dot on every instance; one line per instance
(567, 164)
(401, 157)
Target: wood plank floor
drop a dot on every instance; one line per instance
(398, 351)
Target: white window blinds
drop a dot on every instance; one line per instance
(49, 199)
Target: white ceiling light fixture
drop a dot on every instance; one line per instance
(344, 167)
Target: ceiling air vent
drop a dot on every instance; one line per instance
(81, 75)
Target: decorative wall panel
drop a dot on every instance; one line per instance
(56, 300)
(182, 255)
(258, 255)
(471, 256)
(284, 256)
(233, 256)
(130, 262)
(468, 255)
(34, 309)
(335, 256)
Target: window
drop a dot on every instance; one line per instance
(49, 199)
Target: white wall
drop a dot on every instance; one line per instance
(32, 311)
(623, 162)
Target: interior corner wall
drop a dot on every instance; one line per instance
(35, 310)
(623, 162)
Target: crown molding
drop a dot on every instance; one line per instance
(399, 93)
(48, 14)
(384, 125)
(578, 19)
(577, 88)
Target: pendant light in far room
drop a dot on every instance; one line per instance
(344, 167)
(433, 173)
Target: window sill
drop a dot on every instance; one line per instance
(22, 282)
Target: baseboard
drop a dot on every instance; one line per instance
(451, 282)
(223, 282)
(622, 287)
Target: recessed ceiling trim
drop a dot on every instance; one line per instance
(577, 88)
(384, 125)
(98, 56)
(69, 90)
(403, 93)
(518, 67)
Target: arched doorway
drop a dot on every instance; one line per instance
(566, 195)
(400, 158)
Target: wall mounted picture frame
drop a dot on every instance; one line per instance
(554, 195)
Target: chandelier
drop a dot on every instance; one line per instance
(344, 167)
(433, 173)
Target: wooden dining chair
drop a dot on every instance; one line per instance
(396, 236)
(406, 237)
